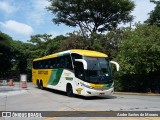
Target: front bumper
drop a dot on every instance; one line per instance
(99, 92)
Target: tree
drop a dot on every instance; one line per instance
(45, 44)
(20, 56)
(91, 15)
(5, 54)
(138, 56)
(55, 45)
(74, 41)
(38, 39)
(40, 43)
(154, 17)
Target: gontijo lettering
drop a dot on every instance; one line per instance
(45, 72)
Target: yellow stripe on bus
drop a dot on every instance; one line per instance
(96, 85)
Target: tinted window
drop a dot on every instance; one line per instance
(35, 65)
(65, 62)
(53, 63)
(68, 62)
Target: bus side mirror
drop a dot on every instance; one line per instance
(117, 65)
(83, 61)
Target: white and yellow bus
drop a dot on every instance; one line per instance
(82, 72)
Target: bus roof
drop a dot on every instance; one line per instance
(78, 51)
(88, 53)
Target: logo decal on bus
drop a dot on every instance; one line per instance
(79, 90)
(69, 78)
(67, 74)
(45, 72)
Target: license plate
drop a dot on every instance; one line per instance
(101, 94)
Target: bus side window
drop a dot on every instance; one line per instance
(39, 65)
(49, 63)
(42, 64)
(35, 64)
(52, 63)
(46, 64)
(57, 63)
(61, 62)
(68, 63)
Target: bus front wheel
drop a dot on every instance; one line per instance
(69, 90)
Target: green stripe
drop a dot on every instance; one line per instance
(55, 76)
(59, 55)
(108, 85)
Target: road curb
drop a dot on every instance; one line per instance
(130, 93)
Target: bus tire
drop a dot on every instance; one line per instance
(69, 90)
(38, 84)
(41, 85)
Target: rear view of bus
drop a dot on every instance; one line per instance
(89, 74)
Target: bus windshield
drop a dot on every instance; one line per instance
(98, 70)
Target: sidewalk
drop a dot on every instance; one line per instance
(6, 90)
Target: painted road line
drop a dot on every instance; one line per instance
(49, 118)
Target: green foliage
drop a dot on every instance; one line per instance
(91, 15)
(103, 43)
(154, 17)
(74, 41)
(55, 45)
(40, 42)
(5, 54)
(138, 57)
(15, 57)
(107, 43)
(38, 39)
(21, 55)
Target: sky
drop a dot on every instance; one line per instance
(22, 18)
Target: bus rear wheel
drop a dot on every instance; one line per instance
(38, 84)
(69, 90)
(41, 85)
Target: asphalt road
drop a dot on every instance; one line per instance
(33, 99)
